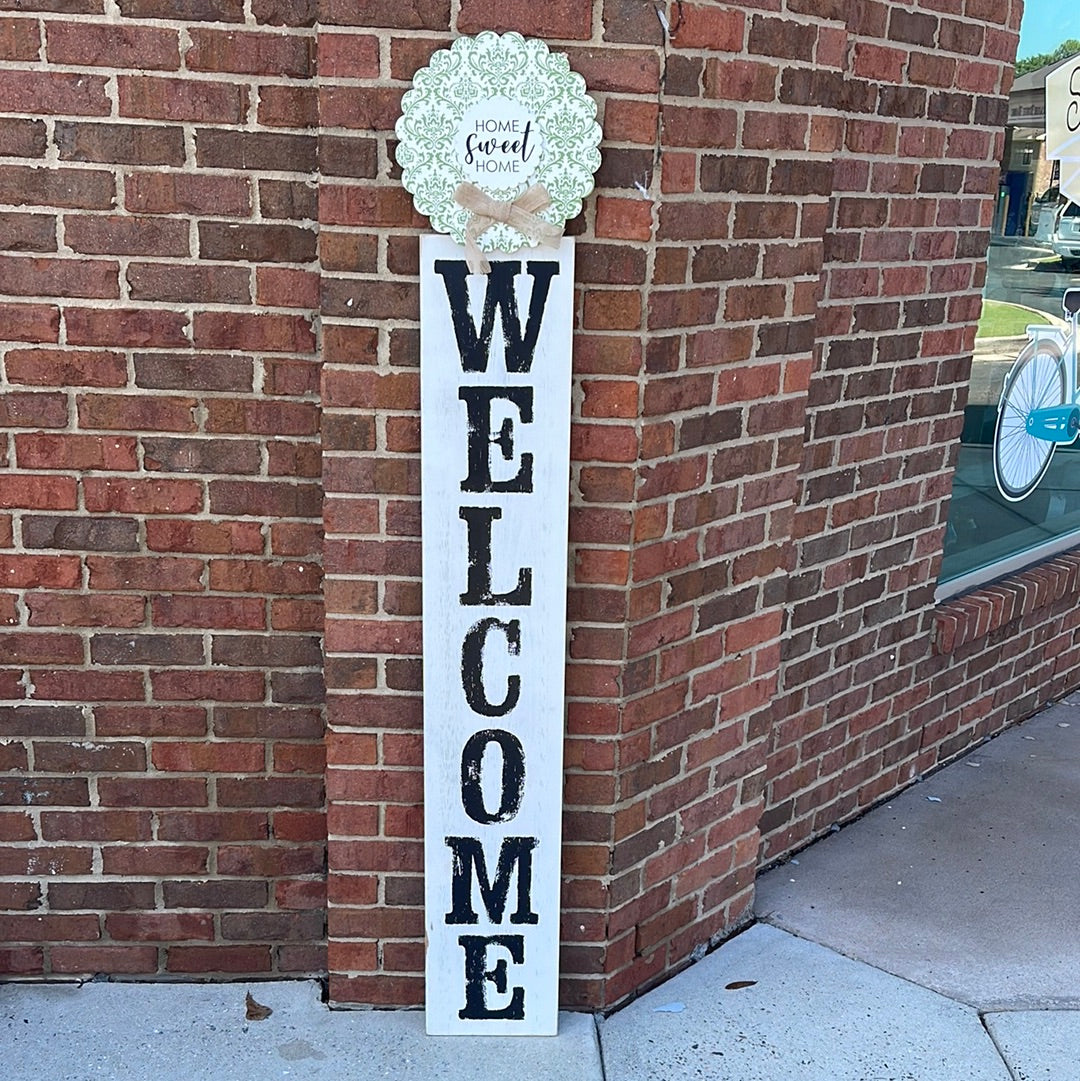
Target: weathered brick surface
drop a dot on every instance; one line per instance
(161, 718)
(862, 708)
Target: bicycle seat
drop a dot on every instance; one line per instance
(1070, 302)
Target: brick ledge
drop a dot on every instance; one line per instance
(974, 615)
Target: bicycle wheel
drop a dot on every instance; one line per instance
(1037, 380)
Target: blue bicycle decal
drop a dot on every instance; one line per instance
(1039, 406)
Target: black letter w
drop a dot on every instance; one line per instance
(474, 347)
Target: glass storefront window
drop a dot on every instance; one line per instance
(1016, 494)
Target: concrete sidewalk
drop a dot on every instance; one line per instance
(934, 940)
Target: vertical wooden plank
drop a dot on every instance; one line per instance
(495, 419)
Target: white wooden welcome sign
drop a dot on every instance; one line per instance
(498, 146)
(495, 451)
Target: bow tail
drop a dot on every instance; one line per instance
(475, 259)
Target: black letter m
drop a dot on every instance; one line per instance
(469, 858)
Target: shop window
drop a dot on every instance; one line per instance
(1016, 492)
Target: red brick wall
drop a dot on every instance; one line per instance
(209, 280)
(924, 106)
(160, 540)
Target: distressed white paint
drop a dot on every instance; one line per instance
(532, 534)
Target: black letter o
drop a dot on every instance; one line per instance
(512, 788)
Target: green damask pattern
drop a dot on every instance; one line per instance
(477, 69)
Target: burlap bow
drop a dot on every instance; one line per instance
(484, 212)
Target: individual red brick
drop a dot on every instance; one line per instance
(85, 44)
(144, 573)
(125, 327)
(56, 860)
(45, 928)
(281, 287)
(16, 826)
(160, 926)
(236, 959)
(223, 11)
(288, 107)
(152, 792)
(128, 649)
(32, 410)
(612, 309)
(90, 757)
(256, 243)
(53, 92)
(77, 610)
(230, 149)
(136, 144)
(289, 615)
(82, 189)
(186, 685)
(266, 333)
(189, 284)
(22, 961)
(700, 27)
(150, 721)
(187, 193)
(19, 39)
(30, 322)
(49, 451)
(179, 371)
(277, 54)
(625, 219)
(209, 757)
(24, 138)
(201, 101)
(631, 120)
(142, 496)
(78, 685)
(350, 56)
(121, 235)
(66, 368)
(111, 959)
(27, 232)
(740, 80)
(560, 19)
(299, 758)
(95, 825)
(620, 71)
(37, 276)
(37, 493)
(300, 894)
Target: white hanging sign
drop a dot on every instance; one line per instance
(495, 369)
(498, 143)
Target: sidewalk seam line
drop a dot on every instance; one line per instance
(997, 1047)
